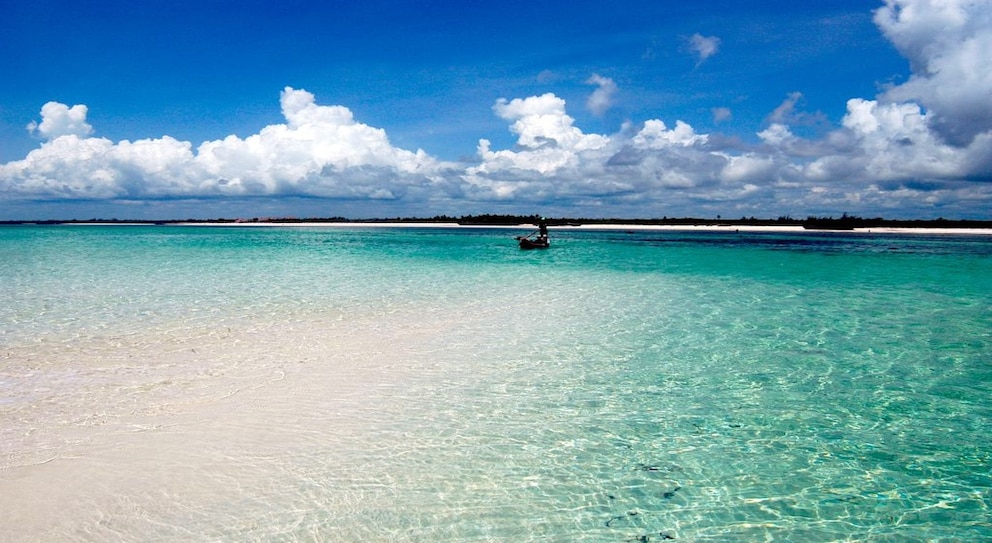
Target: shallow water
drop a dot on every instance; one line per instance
(377, 384)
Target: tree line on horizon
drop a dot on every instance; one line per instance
(844, 222)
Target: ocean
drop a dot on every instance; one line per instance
(365, 384)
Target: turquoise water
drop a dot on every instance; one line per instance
(403, 384)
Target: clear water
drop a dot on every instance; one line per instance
(349, 384)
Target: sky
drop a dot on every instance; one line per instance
(630, 109)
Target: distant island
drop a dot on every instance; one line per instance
(844, 222)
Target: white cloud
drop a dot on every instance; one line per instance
(554, 160)
(777, 134)
(547, 136)
(655, 135)
(896, 143)
(65, 167)
(549, 146)
(947, 43)
(748, 167)
(878, 152)
(320, 151)
(601, 99)
(703, 47)
(61, 120)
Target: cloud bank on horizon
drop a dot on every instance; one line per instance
(919, 148)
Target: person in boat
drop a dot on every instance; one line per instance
(540, 242)
(542, 231)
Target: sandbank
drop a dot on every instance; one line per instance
(782, 229)
(616, 227)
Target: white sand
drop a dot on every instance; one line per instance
(614, 227)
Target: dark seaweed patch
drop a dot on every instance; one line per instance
(620, 517)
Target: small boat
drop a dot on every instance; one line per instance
(534, 243)
(539, 242)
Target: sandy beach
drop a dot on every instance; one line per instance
(614, 227)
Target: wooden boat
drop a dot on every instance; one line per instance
(540, 242)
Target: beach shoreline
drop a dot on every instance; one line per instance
(728, 228)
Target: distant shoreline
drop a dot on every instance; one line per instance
(626, 227)
(611, 226)
(785, 224)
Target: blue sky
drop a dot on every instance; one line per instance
(161, 109)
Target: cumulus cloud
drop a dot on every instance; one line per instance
(703, 47)
(896, 142)
(548, 145)
(61, 120)
(776, 134)
(554, 159)
(323, 151)
(748, 167)
(319, 151)
(655, 135)
(601, 99)
(947, 43)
